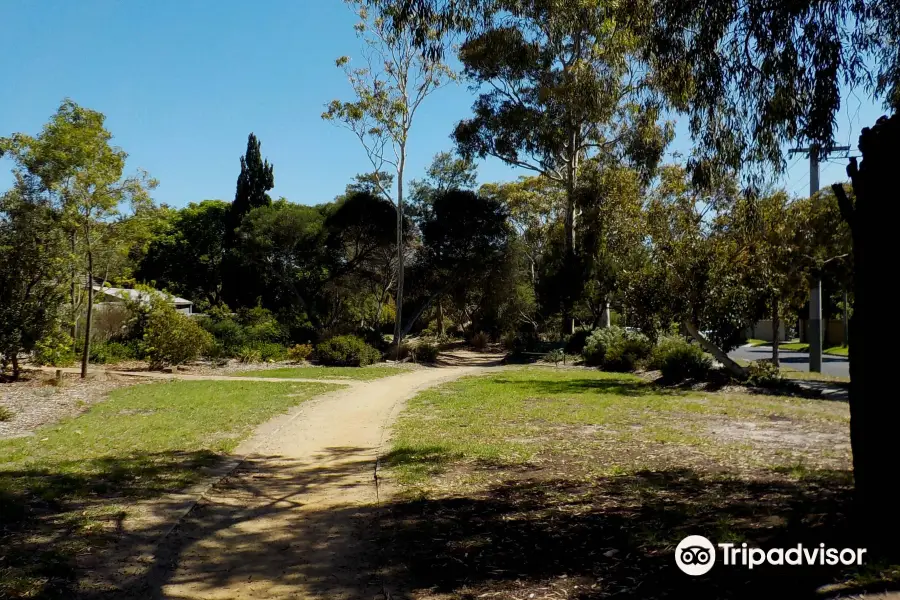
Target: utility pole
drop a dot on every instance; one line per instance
(814, 330)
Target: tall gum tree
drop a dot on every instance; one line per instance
(562, 83)
(394, 79)
(753, 75)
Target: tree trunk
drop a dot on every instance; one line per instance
(775, 327)
(874, 410)
(440, 317)
(717, 352)
(15, 366)
(398, 323)
(86, 353)
(72, 291)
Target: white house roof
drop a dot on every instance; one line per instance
(133, 295)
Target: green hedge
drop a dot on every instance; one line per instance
(346, 351)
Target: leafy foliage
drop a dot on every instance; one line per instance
(55, 349)
(346, 351)
(679, 360)
(577, 341)
(426, 352)
(299, 352)
(32, 271)
(763, 373)
(169, 337)
(188, 258)
(616, 349)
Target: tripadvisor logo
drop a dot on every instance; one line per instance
(696, 555)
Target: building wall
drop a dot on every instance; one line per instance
(832, 329)
(762, 330)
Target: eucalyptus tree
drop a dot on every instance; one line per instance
(80, 170)
(393, 81)
(564, 83)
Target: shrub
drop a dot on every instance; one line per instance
(763, 373)
(57, 349)
(248, 355)
(426, 352)
(299, 352)
(170, 337)
(679, 360)
(556, 356)
(270, 351)
(250, 327)
(111, 352)
(522, 341)
(346, 351)
(479, 341)
(229, 334)
(615, 349)
(575, 343)
(6, 414)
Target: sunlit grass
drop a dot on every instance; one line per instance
(310, 372)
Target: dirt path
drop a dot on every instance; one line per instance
(297, 519)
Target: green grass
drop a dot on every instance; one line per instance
(793, 346)
(802, 347)
(69, 483)
(540, 478)
(611, 422)
(358, 373)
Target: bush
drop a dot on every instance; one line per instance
(679, 360)
(615, 349)
(170, 337)
(57, 349)
(248, 355)
(426, 352)
(299, 352)
(346, 351)
(111, 352)
(556, 356)
(479, 341)
(763, 373)
(406, 351)
(575, 343)
(229, 334)
(250, 327)
(270, 351)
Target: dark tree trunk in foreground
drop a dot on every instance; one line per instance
(874, 409)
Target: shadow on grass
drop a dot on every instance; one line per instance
(50, 516)
(532, 533)
(548, 536)
(615, 537)
(616, 385)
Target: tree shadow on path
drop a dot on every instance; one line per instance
(605, 538)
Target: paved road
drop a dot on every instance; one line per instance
(831, 365)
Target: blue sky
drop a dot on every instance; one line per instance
(183, 82)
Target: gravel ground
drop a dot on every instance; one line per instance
(35, 401)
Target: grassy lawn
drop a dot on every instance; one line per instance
(802, 347)
(581, 483)
(359, 373)
(65, 490)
